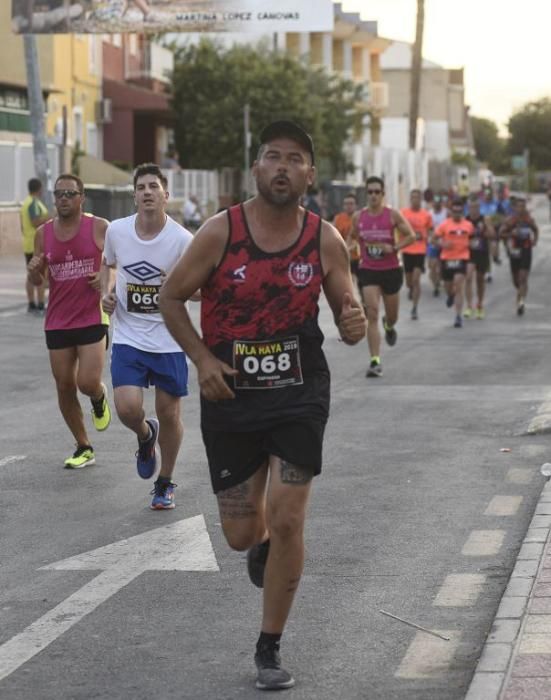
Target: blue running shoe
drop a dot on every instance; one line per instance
(163, 495)
(146, 456)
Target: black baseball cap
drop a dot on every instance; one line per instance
(284, 128)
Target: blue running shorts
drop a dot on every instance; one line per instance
(132, 367)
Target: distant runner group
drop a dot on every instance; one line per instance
(258, 269)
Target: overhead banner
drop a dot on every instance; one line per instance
(119, 16)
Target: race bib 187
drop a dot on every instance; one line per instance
(142, 298)
(267, 364)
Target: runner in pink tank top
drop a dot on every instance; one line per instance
(70, 248)
(71, 263)
(377, 231)
(380, 273)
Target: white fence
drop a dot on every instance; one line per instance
(201, 183)
(17, 168)
(401, 170)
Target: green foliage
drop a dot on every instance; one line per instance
(530, 127)
(489, 146)
(211, 85)
(460, 158)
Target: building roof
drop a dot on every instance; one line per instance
(398, 57)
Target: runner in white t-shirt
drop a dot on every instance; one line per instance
(144, 248)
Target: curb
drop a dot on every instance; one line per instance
(494, 666)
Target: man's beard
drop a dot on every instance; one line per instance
(279, 199)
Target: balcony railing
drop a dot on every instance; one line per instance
(152, 62)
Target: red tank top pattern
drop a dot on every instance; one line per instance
(374, 231)
(72, 302)
(255, 295)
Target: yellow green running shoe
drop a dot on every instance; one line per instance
(83, 456)
(101, 414)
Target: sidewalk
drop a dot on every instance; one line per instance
(516, 661)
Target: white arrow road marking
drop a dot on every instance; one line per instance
(11, 458)
(181, 546)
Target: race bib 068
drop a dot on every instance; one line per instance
(267, 364)
(142, 298)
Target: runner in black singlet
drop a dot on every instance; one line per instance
(263, 375)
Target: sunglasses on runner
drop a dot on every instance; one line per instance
(374, 191)
(58, 194)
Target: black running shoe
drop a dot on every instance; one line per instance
(436, 292)
(449, 301)
(520, 308)
(270, 675)
(391, 336)
(257, 556)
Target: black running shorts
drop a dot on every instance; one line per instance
(390, 281)
(481, 260)
(523, 261)
(412, 261)
(72, 337)
(234, 457)
(451, 268)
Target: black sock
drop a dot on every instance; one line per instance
(166, 480)
(268, 640)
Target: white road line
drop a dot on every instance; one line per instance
(122, 562)
(520, 476)
(533, 450)
(503, 505)
(483, 543)
(427, 656)
(459, 590)
(12, 458)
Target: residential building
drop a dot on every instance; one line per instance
(444, 124)
(136, 115)
(353, 49)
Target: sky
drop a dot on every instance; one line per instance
(504, 46)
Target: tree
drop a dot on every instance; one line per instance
(211, 85)
(530, 127)
(490, 148)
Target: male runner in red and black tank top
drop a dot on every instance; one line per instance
(263, 375)
(520, 233)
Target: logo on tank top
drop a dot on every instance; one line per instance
(68, 256)
(300, 273)
(143, 270)
(239, 273)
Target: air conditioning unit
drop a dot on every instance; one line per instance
(378, 95)
(104, 110)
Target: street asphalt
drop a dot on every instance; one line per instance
(419, 512)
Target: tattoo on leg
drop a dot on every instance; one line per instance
(235, 503)
(293, 585)
(290, 474)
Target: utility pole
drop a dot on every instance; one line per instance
(415, 85)
(38, 129)
(246, 149)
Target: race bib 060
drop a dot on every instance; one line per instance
(453, 264)
(142, 298)
(267, 364)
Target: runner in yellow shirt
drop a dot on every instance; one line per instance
(33, 214)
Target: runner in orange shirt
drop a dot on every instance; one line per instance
(343, 224)
(453, 236)
(413, 255)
